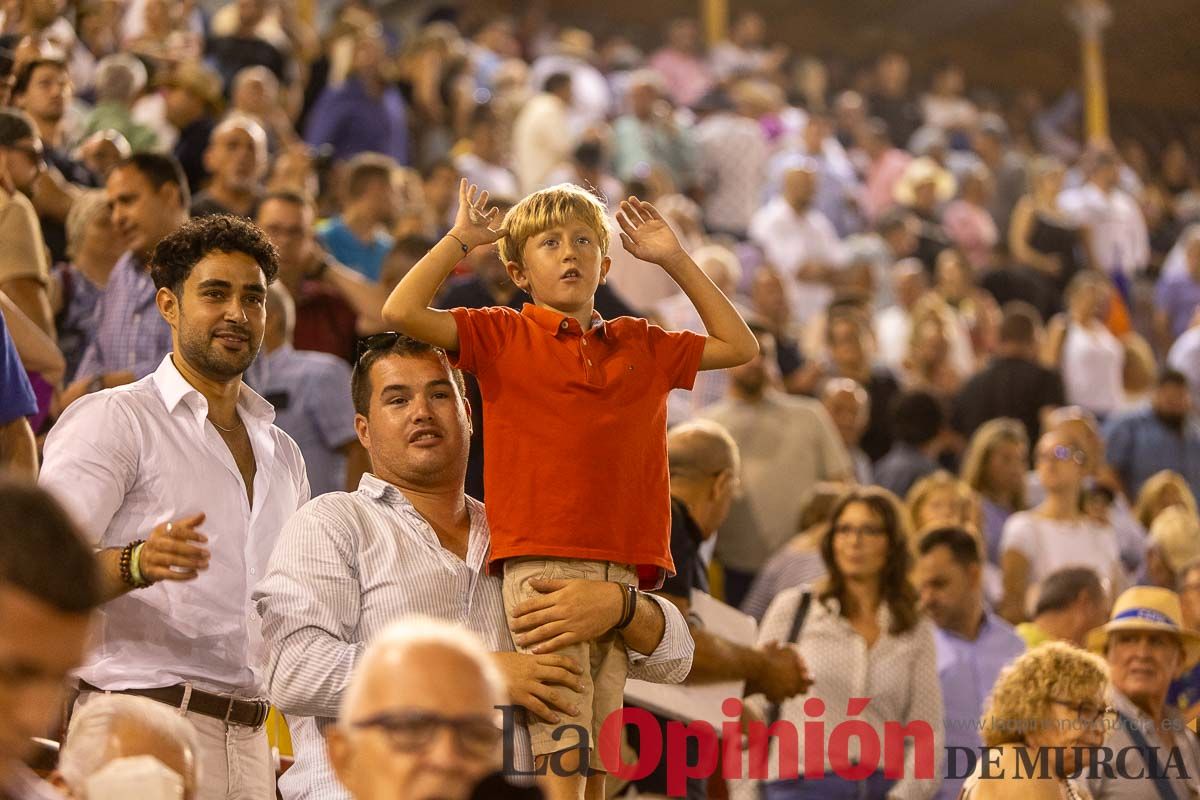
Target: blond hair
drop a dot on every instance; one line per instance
(920, 492)
(547, 208)
(1004, 430)
(1149, 497)
(1021, 697)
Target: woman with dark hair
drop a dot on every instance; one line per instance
(861, 636)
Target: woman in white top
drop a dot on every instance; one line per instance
(861, 638)
(1056, 533)
(1079, 344)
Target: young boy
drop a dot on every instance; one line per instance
(574, 409)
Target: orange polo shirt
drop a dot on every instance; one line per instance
(575, 422)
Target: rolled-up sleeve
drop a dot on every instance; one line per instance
(309, 602)
(671, 661)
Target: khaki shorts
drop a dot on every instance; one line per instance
(604, 661)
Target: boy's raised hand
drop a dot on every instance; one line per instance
(475, 223)
(645, 234)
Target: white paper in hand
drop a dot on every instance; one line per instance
(699, 701)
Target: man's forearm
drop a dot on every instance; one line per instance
(18, 450)
(647, 628)
(718, 659)
(364, 296)
(29, 295)
(112, 585)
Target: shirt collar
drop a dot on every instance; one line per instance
(174, 388)
(377, 488)
(556, 321)
(1127, 708)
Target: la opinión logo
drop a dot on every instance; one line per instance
(821, 754)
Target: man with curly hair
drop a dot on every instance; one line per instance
(188, 460)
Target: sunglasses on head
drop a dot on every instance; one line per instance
(376, 341)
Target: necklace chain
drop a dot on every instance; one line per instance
(227, 430)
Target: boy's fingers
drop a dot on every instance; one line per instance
(626, 241)
(651, 211)
(483, 198)
(462, 190)
(631, 212)
(624, 222)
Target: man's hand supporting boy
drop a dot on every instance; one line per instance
(647, 236)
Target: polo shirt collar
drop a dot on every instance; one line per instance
(555, 321)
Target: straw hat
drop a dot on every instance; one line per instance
(199, 79)
(921, 171)
(1176, 534)
(577, 43)
(1148, 608)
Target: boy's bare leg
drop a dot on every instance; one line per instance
(595, 785)
(568, 786)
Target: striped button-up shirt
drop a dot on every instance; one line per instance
(129, 333)
(347, 565)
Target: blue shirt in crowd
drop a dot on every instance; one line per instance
(130, 334)
(349, 119)
(967, 671)
(365, 258)
(1138, 445)
(16, 394)
(1178, 298)
(311, 395)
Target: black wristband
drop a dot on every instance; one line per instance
(630, 609)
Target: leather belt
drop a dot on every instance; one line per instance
(249, 713)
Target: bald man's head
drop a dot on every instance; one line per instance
(705, 468)
(281, 316)
(419, 719)
(112, 727)
(700, 448)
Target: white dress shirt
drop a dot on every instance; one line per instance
(127, 459)
(790, 240)
(348, 565)
(1120, 242)
(1185, 357)
(541, 141)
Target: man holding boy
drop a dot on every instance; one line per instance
(576, 409)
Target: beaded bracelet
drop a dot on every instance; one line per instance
(127, 565)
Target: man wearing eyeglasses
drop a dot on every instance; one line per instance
(411, 541)
(433, 734)
(24, 268)
(1146, 645)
